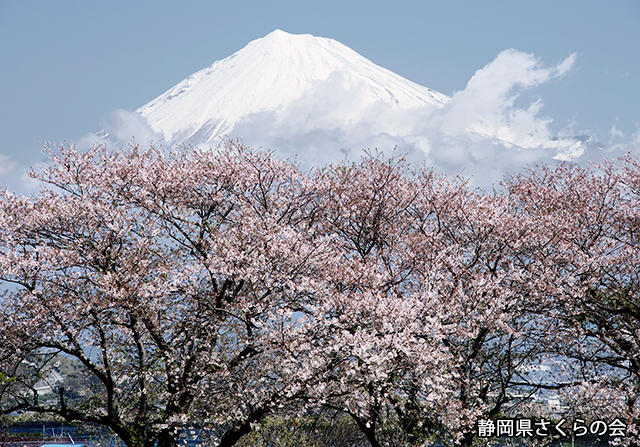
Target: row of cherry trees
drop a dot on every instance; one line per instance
(216, 288)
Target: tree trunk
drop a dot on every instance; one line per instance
(467, 439)
(168, 438)
(230, 438)
(369, 431)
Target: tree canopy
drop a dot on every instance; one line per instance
(215, 288)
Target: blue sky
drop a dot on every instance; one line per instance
(68, 64)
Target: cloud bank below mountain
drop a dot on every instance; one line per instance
(479, 131)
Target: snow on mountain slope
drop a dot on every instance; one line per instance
(271, 74)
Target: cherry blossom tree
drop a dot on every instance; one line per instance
(481, 270)
(431, 324)
(169, 277)
(591, 219)
(384, 332)
(214, 288)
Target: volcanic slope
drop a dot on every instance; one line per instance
(284, 81)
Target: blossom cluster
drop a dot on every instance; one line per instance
(217, 287)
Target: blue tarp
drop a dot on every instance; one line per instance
(64, 445)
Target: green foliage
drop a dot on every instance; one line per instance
(5, 378)
(340, 431)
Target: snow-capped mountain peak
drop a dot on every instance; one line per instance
(269, 75)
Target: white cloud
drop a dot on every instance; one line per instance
(486, 105)
(620, 143)
(6, 165)
(615, 132)
(635, 141)
(14, 176)
(480, 130)
(121, 127)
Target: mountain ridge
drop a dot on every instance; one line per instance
(268, 75)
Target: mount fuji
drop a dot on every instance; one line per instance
(318, 101)
(270, 75)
